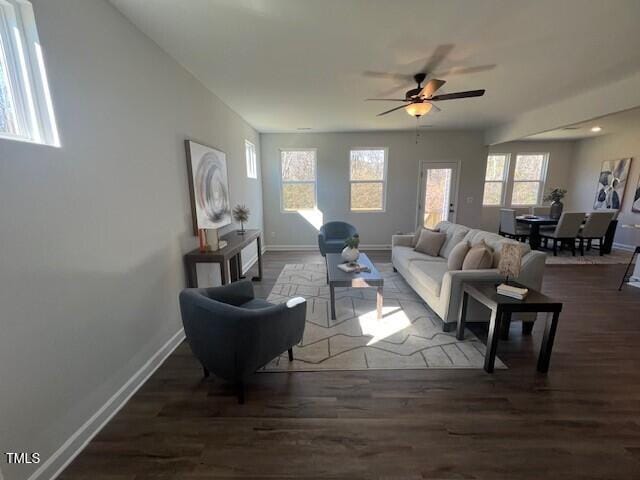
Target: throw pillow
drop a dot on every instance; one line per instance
(478, 257)
(416, 236)
(430, 242)
(457, 256)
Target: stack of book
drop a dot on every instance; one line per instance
(353, 268)
(511, 291)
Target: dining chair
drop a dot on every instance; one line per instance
(595, 228)
(509, 226)
(541, 211)
(566, 231)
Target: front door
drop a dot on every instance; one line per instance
(438, 183)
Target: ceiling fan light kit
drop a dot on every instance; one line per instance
(418, 109)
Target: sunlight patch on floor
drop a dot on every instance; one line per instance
(393, 321)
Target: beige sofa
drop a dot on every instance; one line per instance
(441, 289)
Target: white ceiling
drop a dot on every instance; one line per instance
(610, 124)
(287, 64)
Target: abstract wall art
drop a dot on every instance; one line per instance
(208, 186)
(612, 183)
(636, 199)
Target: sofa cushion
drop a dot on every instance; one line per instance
(494, 241)
(479, 257)
(403, 256)
(429, 274)
(455, 234)
(416, 235)
(457, 256)
(430, 242)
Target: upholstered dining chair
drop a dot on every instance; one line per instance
(509, 226)
(595, 228)
(566, 231)
(541, 211)
(233, 334)
(332, 236)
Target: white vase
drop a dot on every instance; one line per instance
(350, 254)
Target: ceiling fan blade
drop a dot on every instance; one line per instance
(465, 70)
(453, 96)
(388, 75)
(438, 55)
(431, 87)
(392, 110)
(386, 100)
(435, 107)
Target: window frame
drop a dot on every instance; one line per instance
(542, 181)
(28, 84)
(251, 161)
(384, 180)
(504, 181)
(285, 182)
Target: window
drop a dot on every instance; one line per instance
(298, 173)
(250, 155)
(528, 178)
(495, 179)
(368, 180)
(26, 109)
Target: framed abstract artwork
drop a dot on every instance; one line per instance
(636, 199)
(612, 182)
(208, 186)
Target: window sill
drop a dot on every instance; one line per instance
(4, 136)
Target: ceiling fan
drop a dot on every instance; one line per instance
(419, 101)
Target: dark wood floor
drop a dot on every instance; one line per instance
(581, 421)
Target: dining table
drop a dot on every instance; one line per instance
(536, 221)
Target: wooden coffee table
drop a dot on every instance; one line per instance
(338, 278)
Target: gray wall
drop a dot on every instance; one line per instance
(93, 233)
(558, 170)
(291, 229)
(588, 158)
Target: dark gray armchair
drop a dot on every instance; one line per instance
(333, 235)
(233, 334)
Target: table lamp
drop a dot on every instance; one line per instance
(510, 261)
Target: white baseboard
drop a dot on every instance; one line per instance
(624, 246)
(312, 248)
(70, 449)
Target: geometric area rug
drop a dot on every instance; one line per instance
(409, 336)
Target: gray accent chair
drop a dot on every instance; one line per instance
(566, 231)
(333, 235)
(594, 228)
(509, 226)
(233, 334)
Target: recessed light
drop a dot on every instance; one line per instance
(596, 129)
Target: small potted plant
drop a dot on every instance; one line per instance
(350, 253)
(555, 196)
(241, 214)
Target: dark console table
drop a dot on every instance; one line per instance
(501, 310)
(229, 258)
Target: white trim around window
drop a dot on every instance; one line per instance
(32, 115)
(503, 182)
(382, 181)
(251, 160)
(313, 181)
(541, 180)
